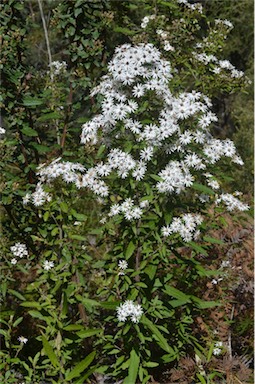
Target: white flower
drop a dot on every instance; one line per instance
(56, 67)
(19, 250)
(22, 339)
(47, 265)
(122, 265)
(26, 198)
(168, 46)
(2, 131)
(13, 261)
(129, 309)
(225, 263)
(185, 226)
(231, 202)
(218, 348)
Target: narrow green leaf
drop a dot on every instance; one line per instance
(198, 248)
(36, 315)
(17, 294)
(78, 237)
(130, 249)
(202, 188)
(32, 304)
(202, 304)
(151, 364)
(177, 303)
(171, 291)
(151, 270)
(29, 131)
(110, 304)
(64, 207)
(73, 327)
(40, 148)
(49, 116)
(80, 367)
(31, 101)
(124, 31)
(201, 378)
(88, 333)
(49, 352)
(18, 321)
(133, 368)
(162, 342)
(212, 240)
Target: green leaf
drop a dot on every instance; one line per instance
(133, 368)
(162, 342)
(78, 237)
(17, 294)
(79, 216)
(31, 101)
(33, 304)
(151, 270)
(198, 248)
(177, 303)
(88, 333)
(49, 352)
(80, 367)
(110, 304)
(36, 315)
(212, 240)
(169, 5)
(64, 207)
(18, 321)
(125, 31)
(151, 364)
(201, 378)
(130, 250)
(156, 177)
(203, 304)
(49, 116)
(203, 188)
(46, 215)
(171, 291)
(29, 131)
(73, 327)
(40, 148)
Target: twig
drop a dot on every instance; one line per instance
(69, 108)
(45, 32)
(229, 334)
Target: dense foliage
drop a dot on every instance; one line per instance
(126, 248)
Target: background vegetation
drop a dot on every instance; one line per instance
(67, 312)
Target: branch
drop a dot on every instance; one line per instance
(45, 32)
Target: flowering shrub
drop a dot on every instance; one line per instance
(111, 271)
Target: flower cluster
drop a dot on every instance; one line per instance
(146, 20)
(231, 202)
(2, 131)
(129, 309)
(225, 22)
(185, 226)
(128, 209)
(18, 250)
(164, 37)
(193, 7)
(219, 66)
(57, 67)
(38, 197)
(179, 133)
(218, 348)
